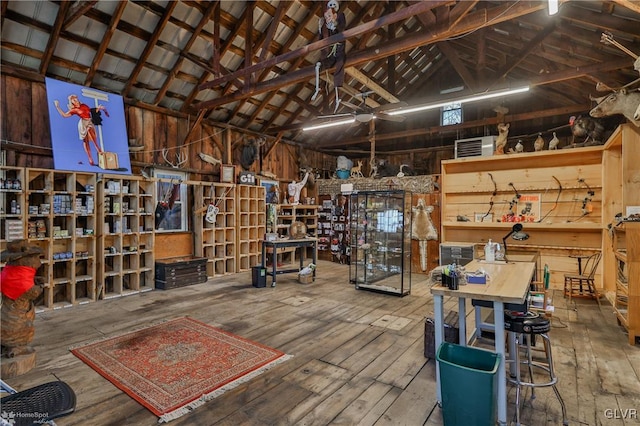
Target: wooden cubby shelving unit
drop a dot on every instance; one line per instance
(468, 189)
(59, 215)
(126, 236)
(216, 241)
(251, 225)
(289, 213)
(621, 245)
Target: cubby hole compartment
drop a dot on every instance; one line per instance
(219, 251)
(220, 221)
(85, 291)
(62, 182)
(112, 264)
(146, 262)
(209, 252)
(84, 269)
(230, 220)
(62, 295)
(244, 263)
(219, 235)
(230, 234)
(254, 260)
(44, 302)
(244, 219)
(244, 205)
(130, 263)
(254, 234)
(85, 225)
(211, 267)
(130, 282)
(62, 272)
(230, 265)
(39, 180)
(254, 206)
(147, 221)
(229, 205)
(85, 183)
(254, 247)
(244, 234)
(145, 242)
(146, 280)
(112, 287)
(244, 247)
(219, 267)
(208, 237)
(244, 191)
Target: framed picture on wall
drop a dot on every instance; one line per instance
(227, 173)
(272, 190)
(171, 210)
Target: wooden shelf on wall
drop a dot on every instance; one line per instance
(572, 218)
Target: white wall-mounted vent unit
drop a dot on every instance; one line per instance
(475, 147)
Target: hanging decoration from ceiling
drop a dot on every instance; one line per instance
(332, 22)
(97, 141)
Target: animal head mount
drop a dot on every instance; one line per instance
(181, 158)
(251, 151)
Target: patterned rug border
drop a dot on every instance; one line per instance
(189, 406)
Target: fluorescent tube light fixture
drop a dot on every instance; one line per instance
(472, 98)
(330, 124)
(553, 7)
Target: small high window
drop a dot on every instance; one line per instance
(451, 114)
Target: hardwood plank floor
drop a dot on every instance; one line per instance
(358, 355)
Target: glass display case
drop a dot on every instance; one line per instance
(380, 240)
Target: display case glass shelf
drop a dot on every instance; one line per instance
(380, 240)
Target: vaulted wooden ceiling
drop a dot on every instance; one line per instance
(250, 64)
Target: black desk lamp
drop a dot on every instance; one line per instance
(517, 234)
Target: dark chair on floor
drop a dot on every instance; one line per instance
(37, 405)
(583, 285)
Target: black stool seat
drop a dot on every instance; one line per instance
(40, 404)
(528, 323)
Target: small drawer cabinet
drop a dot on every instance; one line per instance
(180, 272)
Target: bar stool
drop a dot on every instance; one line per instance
(525, 327)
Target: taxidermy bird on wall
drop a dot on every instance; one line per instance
(553, 143)
(538, 144)
(586, 127)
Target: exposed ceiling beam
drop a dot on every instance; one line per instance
(379, 90)
(629, 4)
(498, 14)
(151, 44)
(400, 15)
(55, 36)
(104, 43)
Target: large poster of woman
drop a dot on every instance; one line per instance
(88, 129)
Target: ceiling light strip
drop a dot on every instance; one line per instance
(472, 98)
(330, 124)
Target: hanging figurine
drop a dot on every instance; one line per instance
(332, 23)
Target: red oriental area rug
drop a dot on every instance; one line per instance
(173, 367)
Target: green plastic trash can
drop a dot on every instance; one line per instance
(468, 385)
